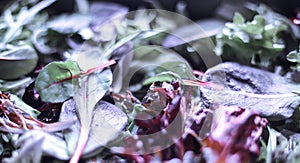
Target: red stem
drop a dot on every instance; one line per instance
(89, 71)
(83, 138)
(102, 66)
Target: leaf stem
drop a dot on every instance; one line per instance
(83, 138)
(102, 66)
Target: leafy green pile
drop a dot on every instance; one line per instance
(103, 88)
(258, 42)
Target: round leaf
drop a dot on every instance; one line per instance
(55, 83)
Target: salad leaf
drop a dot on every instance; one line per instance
(256, 42)
(255, 86)
(107, 123)
(166, 76)
(152, 60)
(18, 117)
(294, 56)
(91, 90)
(68, 24)
(236, 141)
(24, 17)
(55, 83)
(17, 62)
(16, 87)
(33, 145)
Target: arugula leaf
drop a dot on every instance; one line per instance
(56, 82)
(25, 16)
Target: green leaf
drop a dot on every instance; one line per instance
(24, 107)
(256, 26)
(90, 58)
(57, 81)
(293, 56)
(151, 59)
(23, 17)
(17, 62)
(16, 87)
(34, 144)
(67, 24)
(162, 77)
(120, 43)
(107, 123)
(93, 87)
(238, 19)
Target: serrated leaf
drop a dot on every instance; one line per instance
(256, 26)
(238, 19)
(55, 83)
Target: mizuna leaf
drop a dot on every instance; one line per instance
(92, 89)
(55, 83)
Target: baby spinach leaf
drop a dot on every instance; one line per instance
(17, 62)
(55, 83)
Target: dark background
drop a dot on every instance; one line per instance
(195, 9)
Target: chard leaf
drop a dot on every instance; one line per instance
(17, 62)
(92, 89)
(55, 83)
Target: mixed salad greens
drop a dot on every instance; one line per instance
(102, 84)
